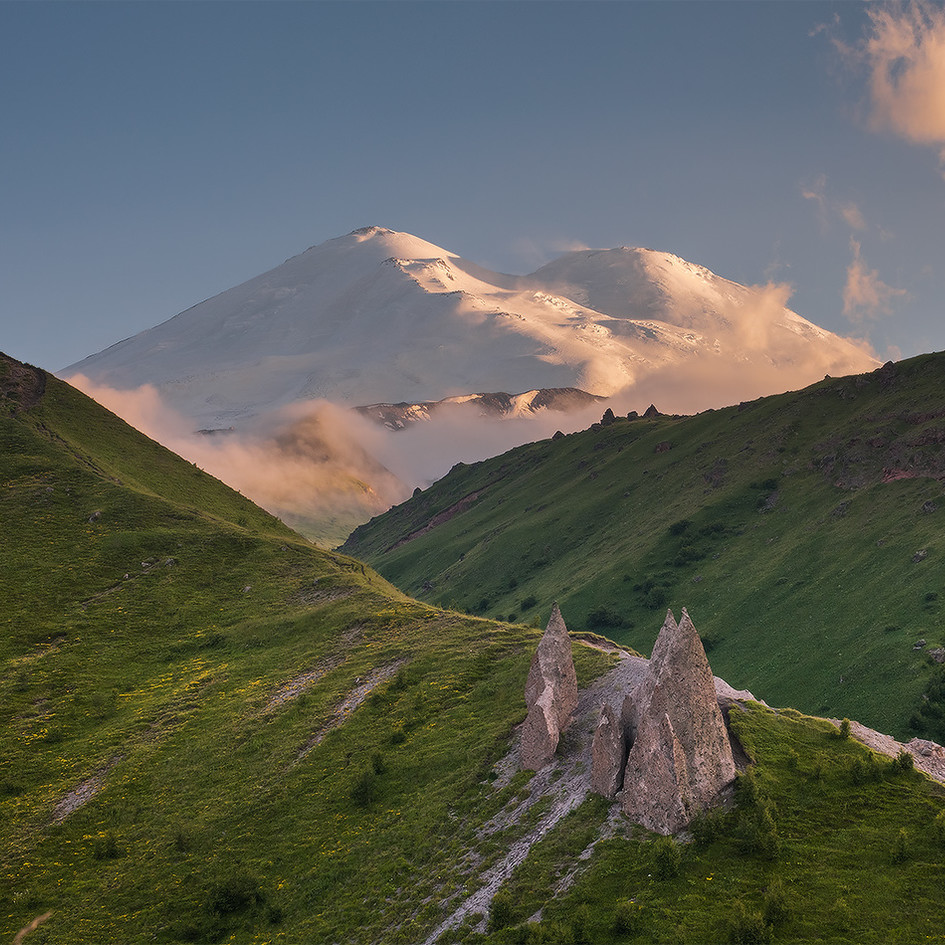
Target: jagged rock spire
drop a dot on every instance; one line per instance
(608, 753)
(681, 757)
(550, 694)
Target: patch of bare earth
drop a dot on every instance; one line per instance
(303, 681)
(927, 756)
(339, 715)
(80, 795)
(440, 518)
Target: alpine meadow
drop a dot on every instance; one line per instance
(214, 731)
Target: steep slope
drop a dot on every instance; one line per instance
(380, 316)
(211, 730)
(803, 528)
(183, 712)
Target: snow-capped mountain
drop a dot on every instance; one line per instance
(379, 316)
(493, 405)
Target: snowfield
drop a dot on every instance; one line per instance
(381, 316)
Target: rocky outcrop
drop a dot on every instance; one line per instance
(550, 694)
(608, 753)
(680, 757)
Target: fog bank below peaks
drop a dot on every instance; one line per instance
(324, 469)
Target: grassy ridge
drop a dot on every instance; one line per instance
(184, 756)
(150, 617)
(771, 522)
(823, 838)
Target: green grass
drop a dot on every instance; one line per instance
(771, 523)
(150, 616)
(848, 847)
(215, 812)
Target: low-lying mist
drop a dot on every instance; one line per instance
(324, 469)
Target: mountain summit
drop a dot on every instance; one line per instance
(381, 316)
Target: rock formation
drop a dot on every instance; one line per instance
(608, 753)
(550, 694)
(680, 756)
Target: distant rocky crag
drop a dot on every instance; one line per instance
(665, 753)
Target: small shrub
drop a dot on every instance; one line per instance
(844, 729)
(775, 910)
(378, 765)
(105, 847)
(628, 918)
(666, 858)
(748, 927)
(904, 761)
(707, 827)
(398, 736)
(939, 826)
(500, 912)
(842, 914)
(364, 789)
(236, 894)
(757, 832)
(655, 598)
(526, 603)
(580, 925)
(746, 789)
(900, 850)
(858, 774)
(602, 618)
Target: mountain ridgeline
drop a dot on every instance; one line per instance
(803, 531)
(211, 730)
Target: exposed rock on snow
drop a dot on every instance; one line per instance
(495, 406)
(550, 694)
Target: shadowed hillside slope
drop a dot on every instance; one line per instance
(804, 529)
(212, 731)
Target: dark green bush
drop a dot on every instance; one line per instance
(666, 858)
(602, 618)
(364, 789)
(500, 912)
(628, 918)
(748, 927)
(775, 904)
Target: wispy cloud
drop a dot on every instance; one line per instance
(865, 295)
(829, 207)
(905, 54)
(534, 253)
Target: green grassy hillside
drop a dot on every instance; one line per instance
(803, 529)
(210, 731)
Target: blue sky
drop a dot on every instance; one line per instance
(154, 154)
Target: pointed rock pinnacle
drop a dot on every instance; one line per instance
(550, 694)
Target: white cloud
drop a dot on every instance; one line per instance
(865, 295)
(905, 53)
